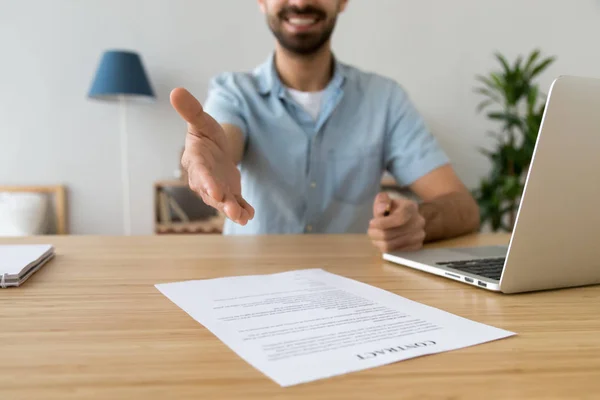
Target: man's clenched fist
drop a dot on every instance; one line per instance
(402, 229)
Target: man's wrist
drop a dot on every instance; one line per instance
(450, 215)
(433, 220)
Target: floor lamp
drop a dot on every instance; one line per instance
(121, 77)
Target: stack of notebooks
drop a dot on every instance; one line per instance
(19, 262)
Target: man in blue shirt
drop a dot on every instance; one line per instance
(304, 140)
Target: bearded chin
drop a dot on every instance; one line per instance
(303, 44)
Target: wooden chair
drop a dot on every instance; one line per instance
(58, 197)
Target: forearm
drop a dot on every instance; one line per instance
(449, 216)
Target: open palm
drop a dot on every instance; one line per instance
(211, 170)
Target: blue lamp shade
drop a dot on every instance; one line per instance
(121, 73)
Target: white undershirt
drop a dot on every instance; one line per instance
(310, 101)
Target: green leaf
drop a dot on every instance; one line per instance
(495, 135)
(496, 223)
(509, 208)
(518, 62)
(498, 81)
(504, 63)
(532, 57)
(488, 93)
(512, 187)
(488, 82)
(510, 119)
(483, 105)
(532, 97)
(541, 67)
(487, 153)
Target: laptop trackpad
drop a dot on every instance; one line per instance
(481, 252)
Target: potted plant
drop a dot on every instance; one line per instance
(513, 99)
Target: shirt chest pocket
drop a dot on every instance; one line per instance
(355, 174)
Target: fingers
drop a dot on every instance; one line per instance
(234, 210)
(403, 211)
(417, 223)
(215, 195)
(200, 124)
(246, 206)
(402, 243)
(230, 207)
(402, 229)
(188, 107)
(381, 204)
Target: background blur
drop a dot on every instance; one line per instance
(51, 133)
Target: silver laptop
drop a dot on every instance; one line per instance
(556, 239)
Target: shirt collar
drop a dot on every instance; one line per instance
(268, 79)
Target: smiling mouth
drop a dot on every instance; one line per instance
(299, 21)
(302, 21)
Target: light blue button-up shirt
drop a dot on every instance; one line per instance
(307, 176)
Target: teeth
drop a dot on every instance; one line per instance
(301, 21)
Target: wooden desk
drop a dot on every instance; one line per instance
(91, 325)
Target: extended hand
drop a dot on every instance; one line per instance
(402, 229)
(211, 170)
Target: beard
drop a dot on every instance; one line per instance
(302, 43)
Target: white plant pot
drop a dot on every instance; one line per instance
(23, 214)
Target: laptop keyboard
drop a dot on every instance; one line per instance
(487, 267)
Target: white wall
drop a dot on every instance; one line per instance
(51, 133)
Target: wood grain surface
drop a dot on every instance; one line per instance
(91, 325)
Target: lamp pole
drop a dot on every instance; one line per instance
(125, 167)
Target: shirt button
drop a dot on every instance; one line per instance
(313, 185)
(309, 228)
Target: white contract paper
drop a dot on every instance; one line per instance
(300, 326)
